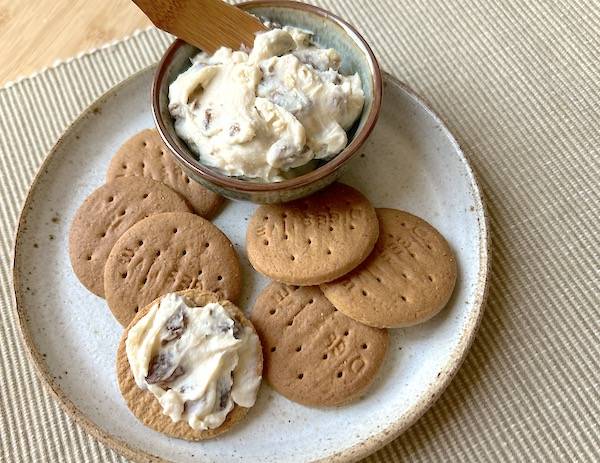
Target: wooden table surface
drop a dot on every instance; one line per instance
(36, 33)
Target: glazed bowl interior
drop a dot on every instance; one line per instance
(329, 32)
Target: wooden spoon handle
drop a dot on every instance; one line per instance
(206, 24)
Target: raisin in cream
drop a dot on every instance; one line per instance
(198, 362)
(267, 114)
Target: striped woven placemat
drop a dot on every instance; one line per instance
(519, 85)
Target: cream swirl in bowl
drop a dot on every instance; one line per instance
(267, 114)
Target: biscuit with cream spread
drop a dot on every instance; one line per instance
(145, 405)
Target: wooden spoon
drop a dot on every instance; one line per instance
(206, 24)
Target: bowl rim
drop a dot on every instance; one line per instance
(321, 172)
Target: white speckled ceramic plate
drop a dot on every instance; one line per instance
(410, 162)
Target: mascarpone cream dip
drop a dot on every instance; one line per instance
(262, 115)
(198, 362)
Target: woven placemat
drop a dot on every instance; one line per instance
(519, 85)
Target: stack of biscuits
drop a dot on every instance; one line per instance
(342, 273)
(146, 233)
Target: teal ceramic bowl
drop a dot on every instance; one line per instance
(330, 31)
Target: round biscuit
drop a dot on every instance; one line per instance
(105, 215)
(146, 407)
(406, 280)
(314, 354)
(312, 240)
(166, 253)
(146, 155)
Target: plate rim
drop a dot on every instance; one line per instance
(360, 450)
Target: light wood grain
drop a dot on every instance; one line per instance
(207, 24)
(35, 33)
